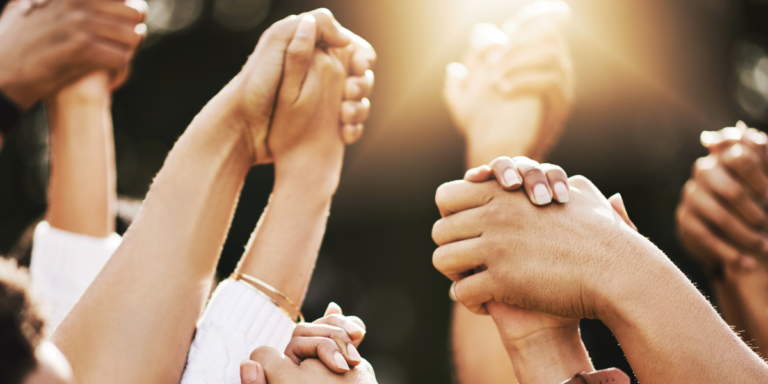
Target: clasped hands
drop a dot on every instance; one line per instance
(536, 261)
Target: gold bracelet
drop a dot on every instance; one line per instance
(266, 289)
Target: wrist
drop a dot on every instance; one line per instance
(637, 287)
(552, 355)
(315, 173)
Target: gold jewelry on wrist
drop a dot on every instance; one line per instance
(271, 292)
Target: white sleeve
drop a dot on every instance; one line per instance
(64, 264)
(238, 320)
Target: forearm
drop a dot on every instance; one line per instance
(750, 290)
(671, 337)
(478, 353)
(82, 194)
(284, 247)
(154, 287)
(494, 135)
(731, 307)
(550, 356)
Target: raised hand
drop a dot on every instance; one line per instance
(48, 47)
(720, 218)
(497, 232)
(515, 84)
(333, 339)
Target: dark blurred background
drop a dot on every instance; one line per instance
(651, 75)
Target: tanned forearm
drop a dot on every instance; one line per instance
(670, 338)
(285, 245)
(550, 356)
(81, 196)
(165, 264)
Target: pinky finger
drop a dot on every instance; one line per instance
(351, 133)
(472, 292)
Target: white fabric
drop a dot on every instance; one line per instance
(238, 320)
(64, 264)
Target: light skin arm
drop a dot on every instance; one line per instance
(156, 283)
(81, 196)
(499, 108)
(599, 267)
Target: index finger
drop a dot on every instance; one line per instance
(460, 195)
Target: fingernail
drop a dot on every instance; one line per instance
(249, 373)
(541, 195)
(510, 177)
(306, 25)
(340, 361)
(561, 192)
(353, 90)
(353, 354)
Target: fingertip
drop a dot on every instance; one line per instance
(340, 361)
(541, 195)
(351, 133)
(251, 372)
(333, 309)
(561, 192)
(307, 26)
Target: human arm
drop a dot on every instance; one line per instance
(51, 46)
(597, 267)
(306, 144)
(722, 224)
(542, 348)
(513, 91)
(78, 238)
(155, 285)
(509, 97)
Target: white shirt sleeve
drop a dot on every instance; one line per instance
(238, 319)
(64, 264)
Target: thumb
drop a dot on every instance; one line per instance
(618, 205)
(298, 57)
(333, 309)
(252, 372)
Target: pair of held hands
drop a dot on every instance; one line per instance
(527, 58)
(721, 216)
(315, 75)
(48, 45)
(532, 268)
(317, 353)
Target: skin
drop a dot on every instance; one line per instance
(64, 40)
(599, 267)
(321, 342)
(722, 224)
(82, 186)
(52, 366)
(180, 230)
(541, 347)
(497, 98)
(513, 92)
